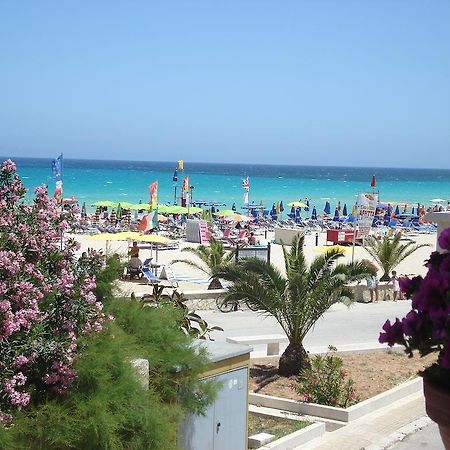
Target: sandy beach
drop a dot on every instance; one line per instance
(412, 265)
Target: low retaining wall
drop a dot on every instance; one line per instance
(203, 299)
(340, 414)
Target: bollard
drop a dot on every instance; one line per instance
(317, 239)
(265, 233)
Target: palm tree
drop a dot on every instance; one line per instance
(389, 252)
(212, 259)
(298, 299)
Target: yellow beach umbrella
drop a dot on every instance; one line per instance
(298, 204)
(105, 204)
(195, 210)
(110, 237)
(162, 218)
(339, 248)
(154, 238)
(225, 212)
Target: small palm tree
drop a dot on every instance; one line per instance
(212, 259)
(298, 299)
(389, 252)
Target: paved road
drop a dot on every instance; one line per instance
(427, 438)
(357, 326)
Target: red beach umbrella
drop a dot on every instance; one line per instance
(373, 183)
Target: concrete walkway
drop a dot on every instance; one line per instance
(379, 430)
(426, 438)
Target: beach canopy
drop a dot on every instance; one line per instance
(344, 210)
(298, 204)
(105, 204)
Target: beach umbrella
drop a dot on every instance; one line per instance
(336, 215)
(397, 211)
(119, 211)
(195, 210)
(83, 210)
(344, 210)
(373, 182)
(233, 207)
(298, 204)
(96, 218)
(329, 248)
(314, 214)
(389, 211)
(213, 209)
(128, 218)
(273, 211)
(413, 211)
(307, 205)
(327, 208)
(339, 206)
(293, 211)
(225, 212)
(239, 218)
(277, 208)
(354, 210)
(105, 204)
(153, 238)
(162, 218)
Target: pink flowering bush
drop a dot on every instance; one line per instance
(426, 327)
(47, 296)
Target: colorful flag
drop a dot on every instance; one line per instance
(373, 183)
(57, 169)
(153, 188)
(246, 183)
(186, 185)
(149, 221)
(175, 176)
(180, 164)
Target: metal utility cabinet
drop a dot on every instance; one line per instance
(224, 426)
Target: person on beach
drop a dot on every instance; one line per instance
(372, 284)
(395, 285)
(252, 239)
(134, 250)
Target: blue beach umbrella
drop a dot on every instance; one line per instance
(273, 211)
(344, 210)
(397, 210)
(213, 209)
(413, 211)
(298, 211)
(327, 209)
(233, 207)
(389, 211)
(281, 206)
(336, 215)
(307, 204)
(314, 214)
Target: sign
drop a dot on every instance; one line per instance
(365, 212)
(203, 232)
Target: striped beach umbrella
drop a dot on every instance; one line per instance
(112, 216)
(96, 218)
(128, 219)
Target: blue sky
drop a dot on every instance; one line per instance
(298, 82)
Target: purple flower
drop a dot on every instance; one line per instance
(445, 359)
(409, 286)
(444, 239)
(412, 324)
(393, 333)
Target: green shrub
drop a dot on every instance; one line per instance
(107, 408)
(326, 382)
(107, 276)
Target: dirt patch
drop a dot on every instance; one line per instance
(373, 373)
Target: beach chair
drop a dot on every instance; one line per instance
(150, 276)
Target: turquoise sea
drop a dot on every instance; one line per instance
(91, 180)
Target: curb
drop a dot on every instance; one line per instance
(400, 434)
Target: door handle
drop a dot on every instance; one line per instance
(217, 427)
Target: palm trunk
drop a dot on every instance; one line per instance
(293, 359)
(215, 284)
